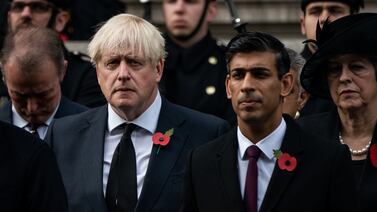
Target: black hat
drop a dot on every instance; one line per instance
(353, 34)
(354, 4)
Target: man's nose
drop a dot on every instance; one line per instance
(248, 83)
(32, 105)
(26, 11)
(124, 71)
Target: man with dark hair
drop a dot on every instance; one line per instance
(267, 163)
(195, 67)
(297, 98)
(33, 67)
(318, 11)
(30, 179)
(80, 81)
(314, 11)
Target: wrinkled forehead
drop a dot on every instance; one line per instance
(122, 49)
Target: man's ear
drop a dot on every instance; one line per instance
(302, 24)
(62, 74)
(211, 11)
(286, 84)
(159, 69)
(61, 20)
(227, 86)
(302, 99)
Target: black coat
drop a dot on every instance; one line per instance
(80, 82)
(322, 180)
(29, 179)
(327, 125)
(195, 77)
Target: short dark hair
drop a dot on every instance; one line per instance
(31, 46)
(259, 42)
(354, 5)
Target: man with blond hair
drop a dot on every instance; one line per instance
(138, 137)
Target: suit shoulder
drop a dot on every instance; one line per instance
(77, 119)
(223, 142)
(317, 122)
(198, 117)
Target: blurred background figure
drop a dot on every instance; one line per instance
(295, 101)
(318, 11)
(88, 14)
(344, 69)
(33, 67)
(80, 81)
(195, 67)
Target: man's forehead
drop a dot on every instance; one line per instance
(122, 53)
(327, 4)
(252, 59)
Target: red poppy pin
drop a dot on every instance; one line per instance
(162, 139)
(285, 161)
(373, 154)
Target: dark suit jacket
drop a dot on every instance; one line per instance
(78, 143)
(30, 179)
(66, 108)
(321, 181)
(328, 126)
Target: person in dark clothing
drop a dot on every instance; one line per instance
(195, 67)
(344, 69)
(87, 14)
(30, 179)
(314, 11)
(80, 81)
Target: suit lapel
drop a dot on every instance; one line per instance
(281, 178)
(161, 164)
(228, 167)
(93, 135)
(6, 112)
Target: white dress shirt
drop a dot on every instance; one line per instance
(266, 161)
(18, 121)
(141, 139)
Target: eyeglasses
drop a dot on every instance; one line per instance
(36, 6)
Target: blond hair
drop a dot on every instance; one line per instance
(127, 32)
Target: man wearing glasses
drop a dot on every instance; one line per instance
(80, 82)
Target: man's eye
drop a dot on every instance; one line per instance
(315, 12)
(237, 75)
(111, 64)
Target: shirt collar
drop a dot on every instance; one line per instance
(266, 145)
(18, 121)
(147, 120)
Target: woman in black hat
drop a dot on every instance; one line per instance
(344, 69)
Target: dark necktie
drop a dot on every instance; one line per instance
(251, 186)
(34, 129)
(121, 191)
